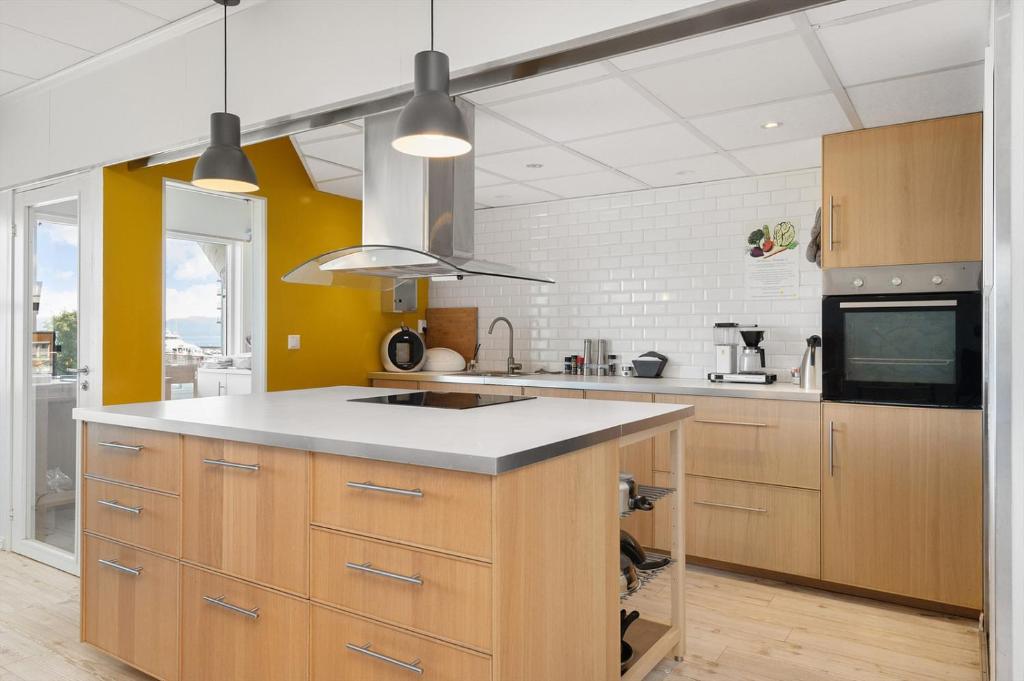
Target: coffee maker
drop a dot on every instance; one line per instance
(750, 361)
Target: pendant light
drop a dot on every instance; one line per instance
(431, 125)
(224, 166)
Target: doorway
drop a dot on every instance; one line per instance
(55, 360)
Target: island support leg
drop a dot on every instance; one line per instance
(678, 453)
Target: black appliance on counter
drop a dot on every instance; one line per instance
(904, 335)
(439, 400)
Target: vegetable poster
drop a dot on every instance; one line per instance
(772, 268)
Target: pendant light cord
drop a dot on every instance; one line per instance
(431, 25)
(226, 57)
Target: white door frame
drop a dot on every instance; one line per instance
(88, 188)
(6, 393)
(258, 223)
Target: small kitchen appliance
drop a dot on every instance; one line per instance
(726, 347)
(751, 355)
(439, 400)
(403, 350)
(810, 365)
(649, 365)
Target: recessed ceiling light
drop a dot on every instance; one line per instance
(534, 165)
(768, 125)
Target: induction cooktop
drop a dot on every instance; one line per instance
(443, 400)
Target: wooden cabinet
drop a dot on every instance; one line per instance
(553, 392)
(763, 526)
(146, 458)
(149, 520)
(397, 384)
(245, 511)
(901, 501)
(902, 194)
(130, 605)
(413, 504)
(425, 591)
(346, 648)
(480, 388)
(235, 630)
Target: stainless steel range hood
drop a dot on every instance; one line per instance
(417, 220)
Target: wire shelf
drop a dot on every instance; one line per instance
(647, 576)
(651, 492)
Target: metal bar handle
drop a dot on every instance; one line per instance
(832, 449)
(369, 569)
(118, 445)
(738, 508)
(752, 424)
(365, 650)
(870, 304)
(369, 486)
(219, 601)
(831, 222)
(134, 572)
(113, 503)
(254, 467)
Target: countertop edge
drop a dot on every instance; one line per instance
(456, 461)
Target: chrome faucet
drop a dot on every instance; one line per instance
(513, 365)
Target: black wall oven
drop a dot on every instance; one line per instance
(917, 347)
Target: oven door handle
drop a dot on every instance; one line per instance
(896, 303)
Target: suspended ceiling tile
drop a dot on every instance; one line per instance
(920, 38)
(588, 184)
(685, 171)
(742, 76)
(511, 195)
(493, 136)
(482, 178)
(552, 162)
(584, 111)
(647, 145)
(931, 95)
(34, 56)
(321, 171)
(346, 151)
(93, 25)
(549, 81)
(352, 187)
(849, 8)
(705, 43)
(11, 81)
(777, 158)
(799, 118)
(169, 10)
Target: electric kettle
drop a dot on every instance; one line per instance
(810, 365)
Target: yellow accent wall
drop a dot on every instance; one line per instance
(341, 328)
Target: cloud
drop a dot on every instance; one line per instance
(53, 302)
(61, 234)
(196, 267)
(199, 300)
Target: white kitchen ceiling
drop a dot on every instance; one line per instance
(695, 110)
(41, 37)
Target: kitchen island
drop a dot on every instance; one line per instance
(300, 535)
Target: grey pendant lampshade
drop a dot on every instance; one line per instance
(430, 124)
(224, 166)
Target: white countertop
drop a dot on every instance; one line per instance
(488, 440)
(666, 386)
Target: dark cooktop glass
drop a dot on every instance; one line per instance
(443, 400)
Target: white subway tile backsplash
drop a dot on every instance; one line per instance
(650, 269)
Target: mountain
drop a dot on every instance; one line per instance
(202, 331)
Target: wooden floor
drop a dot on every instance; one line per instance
(740, 629)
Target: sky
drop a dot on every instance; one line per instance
(57, 269)
(192, 283)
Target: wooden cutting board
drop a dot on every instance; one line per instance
(452, 327)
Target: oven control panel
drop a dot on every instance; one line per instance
(949, 276)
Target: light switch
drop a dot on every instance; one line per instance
(294, 341)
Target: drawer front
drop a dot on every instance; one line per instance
(245, 511)
(390, 383)
(236, 630)
(553, 392)
(446, 597)
(146, 458)
(619, 396)
(763, 526)
(770, 441)
(131, 616)
(134, 516)
(430, 507)
(337, 636)
(480, 388)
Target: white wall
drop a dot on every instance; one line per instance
(647, 270)
(285, 58)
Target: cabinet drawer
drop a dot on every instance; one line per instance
(568, 393)
(480, 388)
(446, 597)
(347, 648)
(234, 630)
(130, 605)
(390, 383)
(146, 519)
(146, 458)
(245, 511)
(449, 510)
(763, 526)
(770, 441)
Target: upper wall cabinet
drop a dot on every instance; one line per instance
(902, 194)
